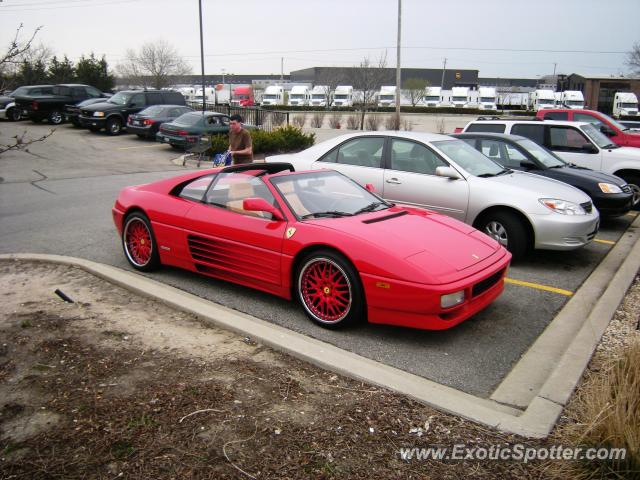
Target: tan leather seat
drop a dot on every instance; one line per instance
(238, 191)
(286, 188)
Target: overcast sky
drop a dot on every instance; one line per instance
(500, 38)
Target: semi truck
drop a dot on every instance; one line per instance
(212, 95)
(343, 96)
(572, 99)
(387, 96)
(273, 95)
(625, 104)
(299, 96)
(242, 96)
(319, 96)
(432, 97)
(487, 98)
(541, 99)
(459, 97)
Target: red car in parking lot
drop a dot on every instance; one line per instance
(318, 236)
(618, 133)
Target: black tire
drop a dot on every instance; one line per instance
(508, 230)
(56, 117)
(634, 183)
(94, 129)
(14, 114)
(141, 135)
(136, 233)
(75, 123)
(331, 310)
(114, 126)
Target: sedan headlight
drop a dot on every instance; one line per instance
(452, 299)
(609, 188)
(562, 206)
(98, 114)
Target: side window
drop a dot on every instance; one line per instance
(556, 116)
(408, 156)
(581, 117)
(224, 121)
(533, 132)
(486, 127)
(362, 152)
(331, 157)
(494, 150)
(93, 92)
(567, 139)
(230, 189)
(173, 98)
(154, 98)
(137, 100)
(195, 190)
(78, 93)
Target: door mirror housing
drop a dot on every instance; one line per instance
(607, 130)
(256, 204)
(447, 172)
(589, 148)
(528, 164)
(370, 187)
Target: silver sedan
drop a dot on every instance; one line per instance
(440, 173)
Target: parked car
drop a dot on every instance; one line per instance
(633, 126)
(616, 131)
(575, 142)
(51, 106)
(519, 209)
(72, 112)
(146, 123)
(186, 130)
(610, 194)
(8, 109)
(112, 114)
(343, 252)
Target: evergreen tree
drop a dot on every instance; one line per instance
(61, 71)
(94, 72)
(32, 73)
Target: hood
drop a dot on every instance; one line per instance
(573, 172)
(434, 246)
(103, 105)
(538, 186)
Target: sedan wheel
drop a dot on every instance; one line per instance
(329, 290)
(507, 229)
(139, 243)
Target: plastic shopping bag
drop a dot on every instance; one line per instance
(222, 159)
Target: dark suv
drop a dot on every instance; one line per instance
(112, 114)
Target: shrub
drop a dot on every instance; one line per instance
(281, 140)
(373, 121)
(407, 125)
(334, 120)
(353, 122)
(317, 119)
(299, 120)
(391, 122)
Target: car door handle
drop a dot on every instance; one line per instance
(394, 180)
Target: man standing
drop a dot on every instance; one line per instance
(240, 145)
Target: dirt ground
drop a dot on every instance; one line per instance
(115, 385)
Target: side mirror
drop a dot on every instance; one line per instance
(447, 172)
(589, 148)
(256, 204)
(528, 164)
(370, 187)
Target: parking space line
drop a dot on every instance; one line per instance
(143, 146)
(606, 242)
(537, 286)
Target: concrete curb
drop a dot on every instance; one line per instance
(536, 421)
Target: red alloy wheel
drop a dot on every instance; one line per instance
(325, 290)
(138, 242)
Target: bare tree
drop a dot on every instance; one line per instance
(415, 89)
(15, 54)
(633, 58)
(153, 65)
(329, 79)
(367, 77)
(22, 142)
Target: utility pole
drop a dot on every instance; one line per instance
(398, 69)
(204, 92)
(281, 69)
(444, 67)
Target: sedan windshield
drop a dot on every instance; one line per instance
(154, 111)
(189, 119)
(597, 136)
(326, 194)
(468, 158)
(120, 98)
(544, 156)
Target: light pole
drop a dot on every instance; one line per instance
(398, 79)
(204, 92)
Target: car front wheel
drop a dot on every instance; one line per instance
(139, 243)
(114, 126)
(329, 289)
(508, 230)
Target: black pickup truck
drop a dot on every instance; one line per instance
(52, 107)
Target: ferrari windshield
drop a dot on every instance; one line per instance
(469, 158)
(325, 194)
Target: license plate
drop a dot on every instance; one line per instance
(137, 122)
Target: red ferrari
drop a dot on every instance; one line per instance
(341, 250)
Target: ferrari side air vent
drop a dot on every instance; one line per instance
(386, 217)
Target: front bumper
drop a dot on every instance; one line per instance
(415, 305)
(95, 122)
(614, 204)
(555, 231)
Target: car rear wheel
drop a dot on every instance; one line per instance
(329, 289)
(507, 229)
(139, 243)
(56, 117)
(14, 114)
(114, 126)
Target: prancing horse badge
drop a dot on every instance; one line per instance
(291, 231)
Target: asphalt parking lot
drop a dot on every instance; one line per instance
(57, 199)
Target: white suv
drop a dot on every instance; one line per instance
(580, 143)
